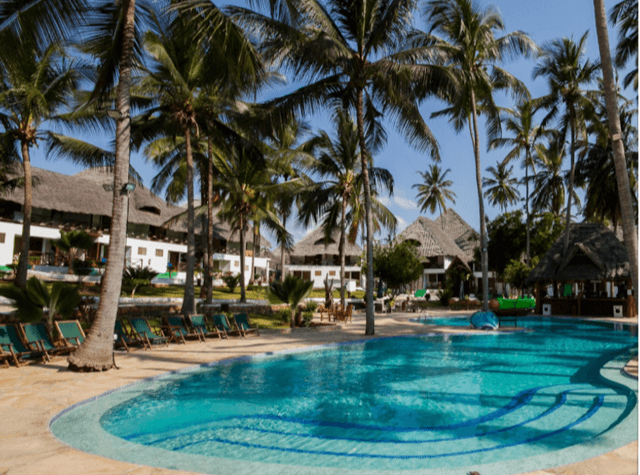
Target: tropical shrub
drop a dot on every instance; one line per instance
(137, 277)
(312, 306)
(306, 318)
(292, 291)
(232, 281)
(72, 242)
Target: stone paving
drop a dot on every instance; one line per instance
(30, 396)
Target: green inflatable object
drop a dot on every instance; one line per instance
(420, 293)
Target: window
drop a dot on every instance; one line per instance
(159, 252)
(142, 251)
(318, 272)
(236, 264)
(332, 272)
(2, 237)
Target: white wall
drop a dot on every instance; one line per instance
(324, 271)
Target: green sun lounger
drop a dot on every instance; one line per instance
(125, 340)
(140, 327)
(223, 326)
(37, 336)
(244, 325)
(71, 331)
(178, 331)
(420, 293)
(201, 324)
(11, 344)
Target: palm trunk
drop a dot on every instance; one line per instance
(188, 301)
(243, 292)
(629, 230)
(370, 318)
(209, 287)
(484, 255)
(96, 352)
(526, 181)
(284, 224)
(23, 263)
(343, 239)
(253, 253)
(565, 246)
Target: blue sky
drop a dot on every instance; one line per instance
(543, 20)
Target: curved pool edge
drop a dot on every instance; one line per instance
(233, 466)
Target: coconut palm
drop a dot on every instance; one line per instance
(472, 51)
(434, 190)
(350, 55)
(292, 291)
(72, 243)
(37, 86)
(519, 122)
(501, 189)
(630, 24)
(563, 64)
(625, 16)
(338, 168)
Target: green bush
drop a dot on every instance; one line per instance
(284, 315)
(445, 295)
(312, 306)
(232, 281)
(306, 318)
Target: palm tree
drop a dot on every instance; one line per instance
(563, 64)
(434, 190)
(352, 56)
(628, 222)
(472, 54)
(625, 15)
(292, 291)
(37, 86)
(501, 189)
(520, 123)
(72, 242)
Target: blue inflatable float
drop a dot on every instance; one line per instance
(485, 321)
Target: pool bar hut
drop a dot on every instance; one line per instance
(592, 279)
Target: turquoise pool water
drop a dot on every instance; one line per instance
(497, 404)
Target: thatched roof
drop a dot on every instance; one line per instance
(459, 230)
(594, 253)
(432, 239)
(83, 193)
(313, 244)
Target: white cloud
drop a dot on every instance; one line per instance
(399, 201)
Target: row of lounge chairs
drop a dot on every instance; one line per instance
(338, 312)
(24, 342)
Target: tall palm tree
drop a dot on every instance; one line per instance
(338, 168)
(567, 71)
(628, 222)
(351, 55)
(519, 122)
(434, 190)
(501, 189)
(37, 85)
(473, 52)
(625, 16)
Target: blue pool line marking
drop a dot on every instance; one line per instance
(594, 408)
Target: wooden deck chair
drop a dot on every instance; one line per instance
(36, 334)
(178, 330)
(12, 343)
(348, 313)
(125, 340)
(201, 324)
(222, 324)
(142, 329)
(243, 324)
(70, 331)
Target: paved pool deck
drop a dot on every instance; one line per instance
(31, 395)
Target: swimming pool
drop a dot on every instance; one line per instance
(498, 404)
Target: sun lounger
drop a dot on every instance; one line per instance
(37, 335)
(244, 325)
(70, 331)
(222, 324)
(178, 331)
(201, 324)
(12, 344)
(141, 328)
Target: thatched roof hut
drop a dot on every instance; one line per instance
(594, 253)
(432, 240)
(84, 193)
(465, 237)
(313, 244)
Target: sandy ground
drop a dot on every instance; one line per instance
(31, 395)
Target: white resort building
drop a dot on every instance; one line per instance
(84, 201)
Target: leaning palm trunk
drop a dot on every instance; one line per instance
(243, 292)
(209, 285)
(253, 254)
(370, 319)
(526, 181)
(484, 258)
(284, 226)
(96, 352)
(343, 239)
(629, 230)
(572, 172)
(188, 301)
(23, 263)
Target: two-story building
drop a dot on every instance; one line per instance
(156, 234)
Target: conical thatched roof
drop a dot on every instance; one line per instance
(432, 239)
(459, 230)
(313, 244)
(594, 253)
(83, 193)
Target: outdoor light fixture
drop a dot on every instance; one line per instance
(130, 187)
